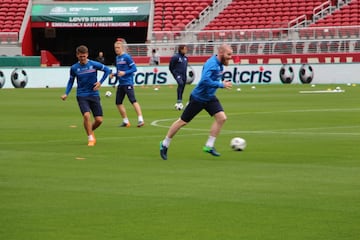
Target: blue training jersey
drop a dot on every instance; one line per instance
(124, 62)
(86, 77)
(211, 80)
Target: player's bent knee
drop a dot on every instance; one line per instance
(86, 115)
(221, 117)
(99, 120)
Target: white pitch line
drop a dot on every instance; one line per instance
(300, 111)
(295, 131)
(299, 132)
(323, 91)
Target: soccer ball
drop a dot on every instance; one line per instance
(190, 75)
(306, 73)
(108, 94)
(179, 106)
(238, 144)
(2, 79)
(19, 78)
(286, 74)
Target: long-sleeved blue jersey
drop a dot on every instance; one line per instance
(211, 80)
(124, 62)
(178, 66)
(86, 77)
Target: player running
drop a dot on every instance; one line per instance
(203, 97)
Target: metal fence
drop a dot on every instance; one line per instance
(257, 41)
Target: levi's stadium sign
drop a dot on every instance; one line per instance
(91, 15)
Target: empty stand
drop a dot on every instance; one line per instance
(11, 17)
(347, 15)
(172, 15)
(261, 14)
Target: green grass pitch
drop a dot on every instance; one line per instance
(298, 178)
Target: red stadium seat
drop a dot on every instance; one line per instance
(257, 14)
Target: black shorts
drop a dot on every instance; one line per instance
(194, 107)
(90, 104)
(123, 90)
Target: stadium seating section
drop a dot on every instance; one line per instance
(12, 14)
(173, 15)
(256, 15)
(251, 26)
(346, 16)
(11, 17)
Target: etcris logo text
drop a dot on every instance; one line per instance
(256, 76)
(150, 78)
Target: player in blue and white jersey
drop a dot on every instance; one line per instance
(87, 92)
(203, 97)
(125, 69)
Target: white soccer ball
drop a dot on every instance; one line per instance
(179, 106)
(19, 78)
(108, 94)
(286, 74)
(2, 79)
(306, 73)
(238, 144)
(190, 74)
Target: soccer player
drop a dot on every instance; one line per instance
(178, 66)
(125, 69)
(203, 97)
(87, 93)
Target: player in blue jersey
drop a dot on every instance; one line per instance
(178, 68)
(87, 93)
(125, 69)
(203, 97)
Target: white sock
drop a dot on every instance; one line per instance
(126, 120)
(211, 141)
(166, 142)
(140, 119)
(90, 137)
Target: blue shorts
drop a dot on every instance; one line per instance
(123, 90)
(194, 107)
(90, 104)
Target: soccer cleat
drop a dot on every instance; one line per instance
(140, 124)
(125, 124)
(92, 142)
(211, 150)
(163, 151)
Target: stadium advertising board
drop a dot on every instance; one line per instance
(238, 74)
(90, 15)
